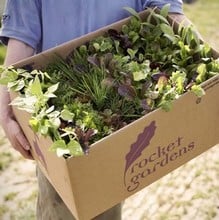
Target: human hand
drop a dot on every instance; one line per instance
(16, 51)
(11, 127)
(180, 18)
(183, 20)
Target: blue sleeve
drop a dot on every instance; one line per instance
(175, 5)
(21, 21)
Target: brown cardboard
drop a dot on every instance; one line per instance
(113, 170)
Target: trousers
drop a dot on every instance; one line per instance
(50, 206)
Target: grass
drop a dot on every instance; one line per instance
(204, 15)
(2, 140)
(10, 196)
(26, 211)
(5, 160)
(3, 209)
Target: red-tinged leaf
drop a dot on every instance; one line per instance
(145, 106)
(93, 60)
(141, 143)
(127, 91)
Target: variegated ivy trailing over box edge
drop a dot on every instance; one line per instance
(111, 81)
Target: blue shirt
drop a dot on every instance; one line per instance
(43, 24)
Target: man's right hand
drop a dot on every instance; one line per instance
(12, 129)
(16, 51)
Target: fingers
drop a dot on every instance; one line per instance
(18, 139)
(25, 153)
(11, 127)
(22, 139)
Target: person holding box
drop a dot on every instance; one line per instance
(32, 26)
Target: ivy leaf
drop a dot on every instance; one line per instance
(59, 147)
(54, 114)
(50, 91)
(8, 75)
(53, 88)
(43, 129)
(75, 148)
(16, 85)
(35, 87)
(67, 115)
(60, 152)
(27, 104)
(50, 109)
(54, 123)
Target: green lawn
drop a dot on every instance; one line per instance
(204, 15)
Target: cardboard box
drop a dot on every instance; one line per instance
(132, 158)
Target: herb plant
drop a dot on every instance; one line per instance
(111, 81)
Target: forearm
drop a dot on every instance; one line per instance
(180, 18)
(16, 50)
(5, 111)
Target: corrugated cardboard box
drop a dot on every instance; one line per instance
(131, 158)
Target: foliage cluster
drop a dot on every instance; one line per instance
(111, 81)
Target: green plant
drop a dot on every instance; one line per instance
(3, 209)
(10, 196)
(111, 81)
(5, 160)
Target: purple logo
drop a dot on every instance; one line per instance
(141, 143)
(139, 166)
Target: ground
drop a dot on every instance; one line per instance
(189, 192)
